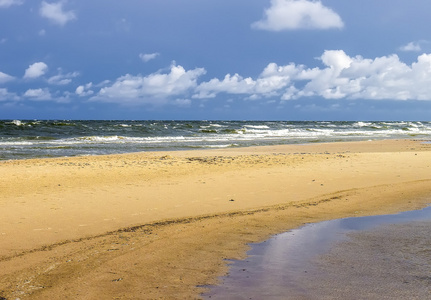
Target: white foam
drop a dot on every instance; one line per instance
(257, 126)
(362, 124)
(15, 143)
(17, 122)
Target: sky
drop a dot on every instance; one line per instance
(215, 59)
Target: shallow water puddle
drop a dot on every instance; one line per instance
(279, 267)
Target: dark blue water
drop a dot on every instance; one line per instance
(20, 139)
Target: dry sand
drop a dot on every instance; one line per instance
(158, 225)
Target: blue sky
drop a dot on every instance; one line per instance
(215, 59)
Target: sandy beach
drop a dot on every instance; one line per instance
(161, 224)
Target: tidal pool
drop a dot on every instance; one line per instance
(375, 257)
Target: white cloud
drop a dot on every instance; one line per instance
(84, 90)
(36, 70)
(272, 79)
(154, 88)
(298, 14)
(7, 3)
(336, 59)
(148, 56)
(182, 102)
(5, 95)
(411, 47)
(104, 83)
(342, 77)
(80, 90)
(62, 79)
(230, 84)
(358, 78)
(38, 94)
(5, 77)
(55, 13)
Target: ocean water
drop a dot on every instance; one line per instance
(21, 139)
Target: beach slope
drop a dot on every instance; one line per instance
(162, 224)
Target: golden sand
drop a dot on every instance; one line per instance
(160, 224)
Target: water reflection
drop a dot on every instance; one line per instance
(278, 266)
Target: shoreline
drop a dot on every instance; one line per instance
(238, 149)
(150, 225)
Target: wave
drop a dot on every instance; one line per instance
(257, 126)
(30, 138)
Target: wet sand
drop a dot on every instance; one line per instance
(373, 257)
(389, 262)
(158, 225)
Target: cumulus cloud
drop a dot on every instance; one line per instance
(336, 76)
(7, 3)
(62, 79)
(153, 88)
(271, 80)
(298, 14)
(148, 56)
(84, 90)
(5, 77)
(411, 47)
(341, 77)
(379, 78)
(38, 94)
(55, 12)
(5, 95)
(36, 70)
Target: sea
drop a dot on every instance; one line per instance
(23, 139)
